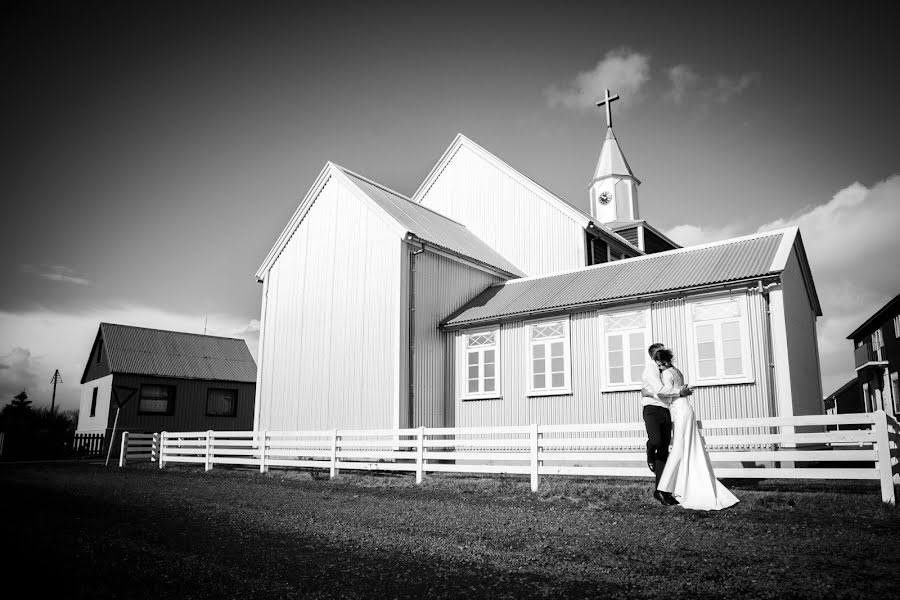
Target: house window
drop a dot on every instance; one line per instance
(895, 392)
(720, 346)
(549, 365)
(94, 402)
(157, 400)
(878, 344)
(897, 326)
(627, 335)
(482, 364)
(221, 403)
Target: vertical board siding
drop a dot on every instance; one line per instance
(442, 285)
(498, 209)
(588, 404)
(190, 406)
(330, 322)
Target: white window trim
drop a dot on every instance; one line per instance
(463, 380)
(605, 385)
(897, 326)
(566, 390)
(691, 354)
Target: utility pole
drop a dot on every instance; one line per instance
(57, 378)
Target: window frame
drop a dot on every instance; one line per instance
(221, 389)
(566, 389)
(170, 405)
(743, 320)
(605, 384)
(497, 393)
(897, 326)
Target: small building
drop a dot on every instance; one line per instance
(159, 380)
(877, 359)
(847, 399)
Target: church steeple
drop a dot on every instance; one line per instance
(613, 190)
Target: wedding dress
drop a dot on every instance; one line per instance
(688, 474)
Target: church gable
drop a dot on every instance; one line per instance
(536, 230)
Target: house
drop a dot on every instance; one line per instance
(156, 380)
(877, 359)
(846, 399)
(485, 299)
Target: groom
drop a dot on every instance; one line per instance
(658, 421)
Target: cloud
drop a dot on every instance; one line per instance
(17, 372)
(693, 235)
(852, 244)
(55, 273)
(41, 341)
(685, 86)
(622, 71)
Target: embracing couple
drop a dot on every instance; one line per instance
(684, 476)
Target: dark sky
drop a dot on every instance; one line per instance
(153, 151)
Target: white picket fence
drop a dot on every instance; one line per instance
(537, 450)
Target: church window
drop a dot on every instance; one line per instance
(626, 337)
(549, 365)
(482, 369)
(720, 341)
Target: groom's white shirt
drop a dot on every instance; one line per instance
(652, 384)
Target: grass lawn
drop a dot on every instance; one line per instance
(83, 530)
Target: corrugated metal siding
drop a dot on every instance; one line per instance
(722, 263)
(498, 209)
(588, 404)
(442, 285)
(190, 406)
(432, 226)
(330, 347)
(143, 351)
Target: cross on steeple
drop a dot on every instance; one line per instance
(608, 100)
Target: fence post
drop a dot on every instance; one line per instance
(162, 449)
(883, 447)
(124, 449)
(208, 465)
(420, 455)
(262, 451)
(154, 447)
(334, 444)
(535, 476)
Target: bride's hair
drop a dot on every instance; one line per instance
(665, 356)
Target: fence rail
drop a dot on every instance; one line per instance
(791, 448)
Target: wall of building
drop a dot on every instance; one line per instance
(330, 347)
(802, 343)
(97, 423)
(498, 208)
(190, 406)
(587, 403)
(442, 285)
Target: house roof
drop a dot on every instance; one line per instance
(407, 218)
(733, 260)
(612, 162)
(887, 311)
(850, 384)
(431, 226)
(141, 351)
(578, 216)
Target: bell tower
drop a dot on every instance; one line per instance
(613, 190)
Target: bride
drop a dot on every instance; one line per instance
(688, 474)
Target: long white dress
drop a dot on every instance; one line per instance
(688, 475)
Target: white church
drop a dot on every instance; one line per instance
(487, 300)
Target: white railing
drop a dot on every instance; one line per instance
(139, 447)
(536, 450)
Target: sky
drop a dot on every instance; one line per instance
(153, 152)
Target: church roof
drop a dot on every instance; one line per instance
(733, 260)
(141, 351)
(430, 226)
(612, 161)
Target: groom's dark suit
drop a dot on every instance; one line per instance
(658, 421)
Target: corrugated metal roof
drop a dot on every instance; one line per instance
(731, 260)
(140, 351)
(432, 226)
